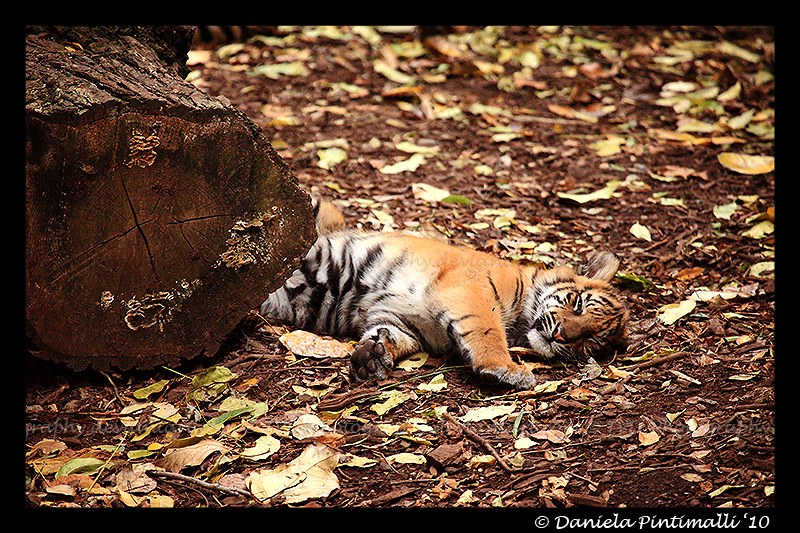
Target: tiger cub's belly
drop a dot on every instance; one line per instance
(348, 283)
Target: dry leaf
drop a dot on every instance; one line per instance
(747, 164)
(641, 232)
(605, 193)
(610, 146)
(701, 430)
(429, 193)
(580, 393)
(523, 443)
(406, 458)
(568, 112)
(394, 399)
(670, 313)
(648, 438)
(330, 157)
(489, 412)
(413, 362)
(193, 455)
(552, 435)
(725, 211)
(135, 480)
(264, 447)
(308, 426)
(547, 386)
(466, 497)
(355, 461)
(305, 344)
(478, 461)
(434, 385)
(407, 165)
(760, 230)
(613, 372)
(308, 476)
(689, 273)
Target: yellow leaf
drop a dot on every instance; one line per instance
(407, 458)
(330, 157)
(610, 146)
(725, 211)
(489, 412)
(160, 501)
(641, 232)
(382, 67)
(129, 499)
(747, 164)
(547, 386)
(671, 313)
(681, 137)
(276, 70)
(394, 399)
(605, 193)
(477, 461)
(466, 498)
(764, 268)
(674, 416)
(731, 93)
(405, 146)
(434, 385)
(413, 361)
(407, 165)
(523, 443)
(760, 230)
(356, 461)
(429, 193)
(265, 446)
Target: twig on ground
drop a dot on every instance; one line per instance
(480, 440)
(640, 366)
(205, 484)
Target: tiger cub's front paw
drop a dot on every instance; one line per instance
(516, 377)
(370, 361)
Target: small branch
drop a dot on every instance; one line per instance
(199, 482)
(640, 366)
(116, 391)
(480, 440)
(660, 360)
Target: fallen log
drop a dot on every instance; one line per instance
(157, 216)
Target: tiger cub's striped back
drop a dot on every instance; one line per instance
(400, 294)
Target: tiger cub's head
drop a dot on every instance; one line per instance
(575, 316)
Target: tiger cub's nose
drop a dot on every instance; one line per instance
(559, 334)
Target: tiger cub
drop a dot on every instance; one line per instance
(400, 294)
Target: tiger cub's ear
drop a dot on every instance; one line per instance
(601, 265)
(327, 217)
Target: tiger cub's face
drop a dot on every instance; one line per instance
(578, 316)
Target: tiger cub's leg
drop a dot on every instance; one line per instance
(474, 325)
(379, 348)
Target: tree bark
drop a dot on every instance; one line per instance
(156, 216)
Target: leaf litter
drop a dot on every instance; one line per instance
(550, 142)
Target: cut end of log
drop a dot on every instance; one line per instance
(153, 224)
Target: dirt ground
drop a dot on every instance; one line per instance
(541, 144)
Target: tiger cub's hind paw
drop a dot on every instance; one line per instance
(370, 361)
